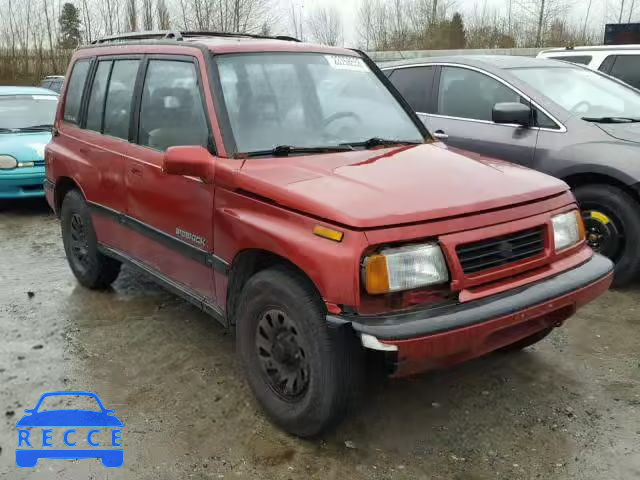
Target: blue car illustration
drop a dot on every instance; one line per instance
(110, 457)
(26, 120)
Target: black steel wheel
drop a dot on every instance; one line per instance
(612, 227)
(304, 374)
(91, 268)
(282, 355)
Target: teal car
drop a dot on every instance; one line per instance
(26, 120)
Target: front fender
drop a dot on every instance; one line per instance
(242, 222)
(612, 159)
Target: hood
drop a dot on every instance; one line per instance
(24, 147)
(372, 188)
(629, 132)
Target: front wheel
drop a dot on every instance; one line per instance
(304, 374)
(612, 225)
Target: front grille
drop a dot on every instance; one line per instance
(500, 251)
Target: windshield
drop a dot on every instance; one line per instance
(308, 100)
(583, 92)
(20, 111)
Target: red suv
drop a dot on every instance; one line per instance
(288, 190)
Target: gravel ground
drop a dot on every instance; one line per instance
(568, 408)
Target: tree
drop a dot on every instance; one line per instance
(69, 21)
(132, 16)
(457, 35)
(147, 14)
(326, 26)
(162, 15)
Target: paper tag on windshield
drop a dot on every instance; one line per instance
(44, 97)
(344, 62)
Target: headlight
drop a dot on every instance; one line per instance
(7, 162)
(404, 268)
(568, 229)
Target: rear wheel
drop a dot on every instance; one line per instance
(92, 269)
(304, 374)
(612, 225)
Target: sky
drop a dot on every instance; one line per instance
(600, 10)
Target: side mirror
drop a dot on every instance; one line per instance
(512, 112)
(193, 161)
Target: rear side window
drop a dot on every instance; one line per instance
(95, 108)
(607, 64)
(415, 85)
(627, 69)
(579, 59)
(73, 99)
(117, 110)
(172, 111)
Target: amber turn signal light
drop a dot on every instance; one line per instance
(328, 233)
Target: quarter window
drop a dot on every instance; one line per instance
(96, 99)
(172, 110)
(73, 99)
(415, 85)
(117, 110)
(465, 93)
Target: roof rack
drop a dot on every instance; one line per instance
(181, 35)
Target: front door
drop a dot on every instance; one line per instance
(171, 216)
(463, 116)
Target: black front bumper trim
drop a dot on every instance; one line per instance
(420, 323)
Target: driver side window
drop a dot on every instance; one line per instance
(466, 93)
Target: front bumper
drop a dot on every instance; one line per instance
(440, 336)
(16, 184)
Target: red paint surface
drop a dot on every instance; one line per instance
(445, 349)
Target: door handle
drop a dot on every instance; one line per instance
(136, 171)
(440, 135)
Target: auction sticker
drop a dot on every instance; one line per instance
(345, 62)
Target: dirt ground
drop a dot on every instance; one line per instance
(568, 408)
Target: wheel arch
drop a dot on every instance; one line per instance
(576, 180)
(63, 186)
(249, 262)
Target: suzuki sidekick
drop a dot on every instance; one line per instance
(288, 190)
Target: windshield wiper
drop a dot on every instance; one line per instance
(286, 150)
(36, 128)
(611, 119)
(378, 142)
(7, 130)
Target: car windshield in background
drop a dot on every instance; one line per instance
(582, 92)
(31, 112)
(308, 100)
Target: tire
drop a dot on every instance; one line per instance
(621, 214)
(92, 269)
(328, 361)
(526, 342)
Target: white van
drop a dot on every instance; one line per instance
(620, 61)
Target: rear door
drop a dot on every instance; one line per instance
(463, 116)
(171, 216)
(105, 141)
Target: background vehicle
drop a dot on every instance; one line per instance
(313, 220)
(562, 119)
(620, 61)
(53, 82)
(26, 118)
